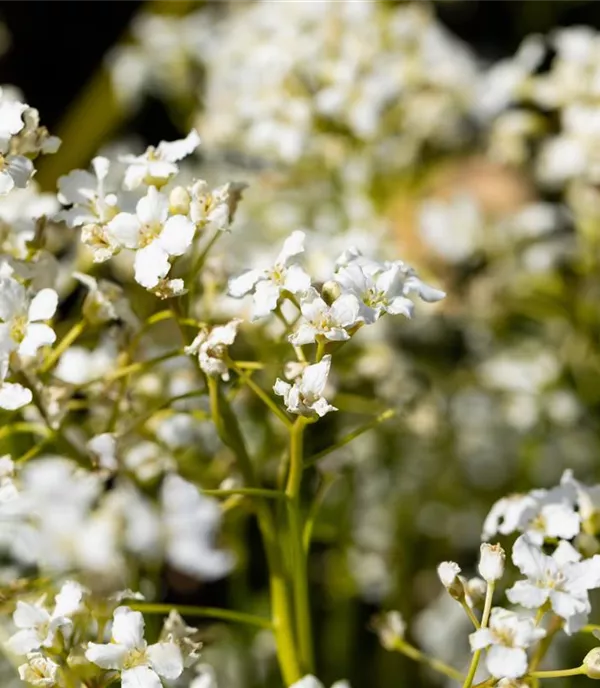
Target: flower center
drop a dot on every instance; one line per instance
(505, 636)
(149, 233)
(135, 658)
(373, 297)
(18, 328)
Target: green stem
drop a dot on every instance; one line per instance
(208, 612)
(470, 613)
(246, 491)
(435, 664)
(320, 350)
(381, 418)
(64, 344)
(487, 607)
(311, 518)
(559, 673)
(228, 429)
(246, 378)
(299, 558)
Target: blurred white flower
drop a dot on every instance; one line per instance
(305, 396)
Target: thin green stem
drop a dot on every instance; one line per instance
(209, 612)
(381, 418)
(559, 673)
(487, 608)
(435, 664)
(470, 614)
(246, 492)
(64, 344)
(299, 559)
(311, 518)
(321, 350)
(246, 378)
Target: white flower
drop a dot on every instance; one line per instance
(391, 628)
(153, 235)
(268, 284)
(15, 171)
(86, 194)
(311, 681)
(491, 562)
(540, 514)
(12, 395)
(588, 500)
(305, 396)
(22, 329)
(157, 165)
(507, 638)
(139, 664)
(37, 627)
(326, 321)
(561, 579)
(211, 347)
(104, 449)
(11, 118)
(39, 671)
(209, 209)
(448, 573)
(383, 287)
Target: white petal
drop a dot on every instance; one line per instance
(77, 187)
(321, 407)
(506, 662)
(36, 336)
(20, 169)
(305, 334)
(281, 388)
(292, 246)
(345, 310)
(29, 615)
(107, 656)
(400, 305)
(151, 264)
(314, 377)
(266, 295)
(124, 229)
(166, 660)
(101, 166)
(427, 293)
(6, 182)
(11, 120)
(13, 396)
(153, 207)
(296, 280)
(25, 641)
(12, 298)
(529, 558)
(128, 627)
(245, 283)
(566, 605)
(173, 151)
(177, 235)
(140, 677)
(309, 681)
(561, 521)
(480, 639)
(527, 594)
(68, 599)
(43, 305)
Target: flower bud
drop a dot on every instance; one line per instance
(179, 201)
(390, 628)
(591, 663)
(491, 562)
(331, 291)
(448, 573)
(475, 589)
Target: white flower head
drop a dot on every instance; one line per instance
(39, 671)
(157, 165)
(382, 287)
(305, 396)
(391, 628)
(138, 663)
(209, 208)
(154, 235)
(267, 284)
(448, 573)
(15, 171)
(491, 562)
(507, 637)
(37, 626)
(212, 346)
(22, 328)
(321, 320)
(12, 395)
(561, 579)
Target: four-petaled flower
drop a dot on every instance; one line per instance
(321, 320)
(267, 284)
(305, 396)
(138, 663)
(211, 347)
(154, 235)
(507, 637)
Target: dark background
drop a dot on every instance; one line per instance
(58, 44)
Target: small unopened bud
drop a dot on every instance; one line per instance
(475, 589)
(591, 664)
(491, 562)
(448, 573)
(390, 628)
(331, 291)
(179, 201)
